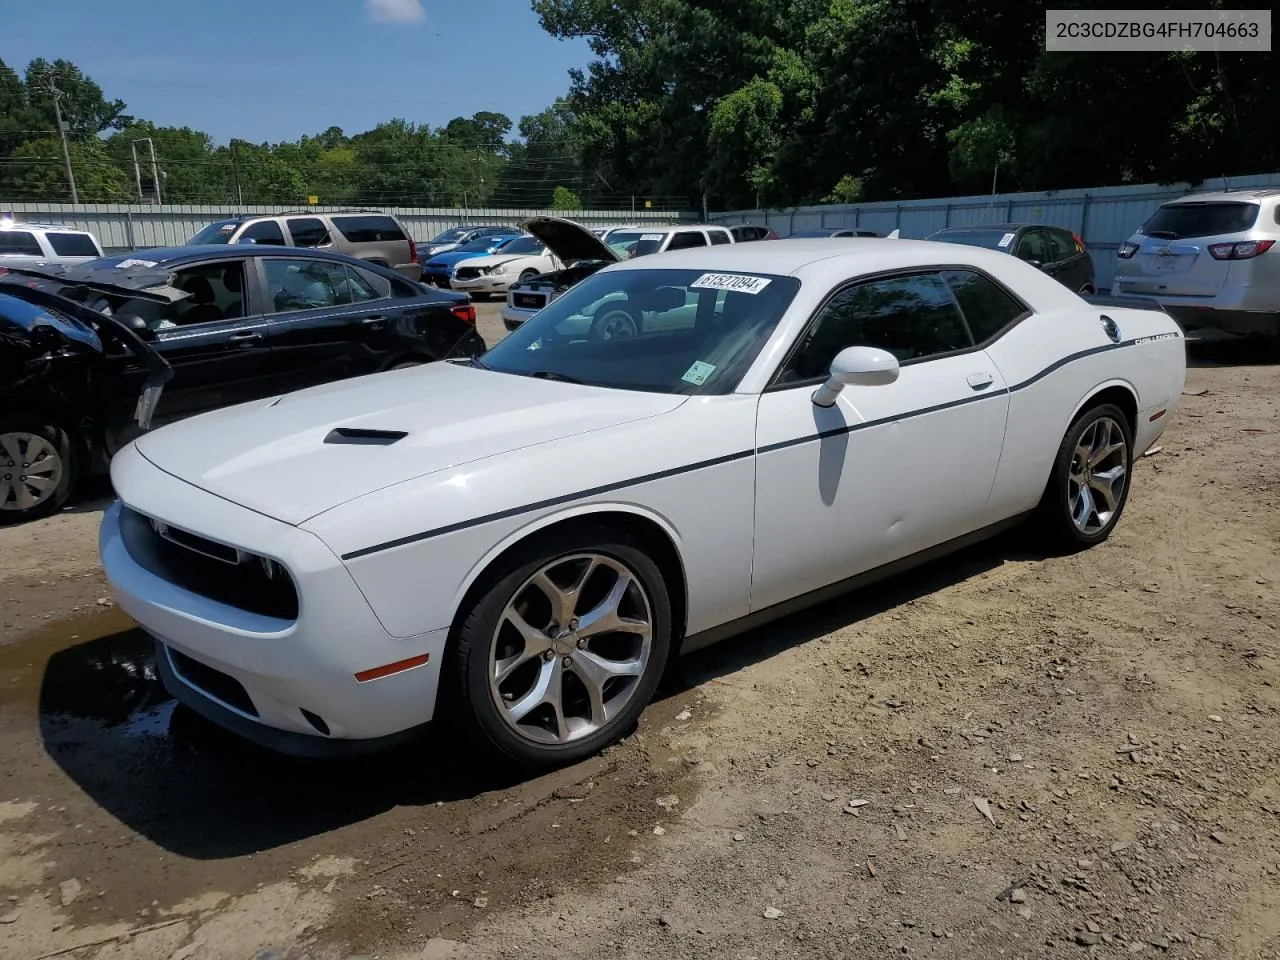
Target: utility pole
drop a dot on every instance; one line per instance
(62, 132)
(137, 170)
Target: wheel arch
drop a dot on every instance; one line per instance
(652, 531)
(1119, 392)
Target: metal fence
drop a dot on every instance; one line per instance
(1104, 217)
(121, 227)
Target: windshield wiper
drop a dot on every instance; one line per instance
(475, 361)
(552, 375)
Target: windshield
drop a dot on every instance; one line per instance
(524, 245)
(1174, 221)
(219, 232)
(997, 238)
(451, 236)
(634, 243)
(660, 331)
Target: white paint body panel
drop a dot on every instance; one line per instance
(384, 541)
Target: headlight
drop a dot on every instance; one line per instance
(500, 268)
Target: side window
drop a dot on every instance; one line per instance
(1031, 246)
(687, 239)
(20, 242)
(913, 318)
(987, 307)
(358, 288)
(216, 293)
(308, 231)
(719, 237)
(369, 229)
(266, 232)
(73, 244)
(306, 284)
(1062, 246)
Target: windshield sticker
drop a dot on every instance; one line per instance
(730, 281)
(651, 236)
(126, 264)
(1006, 239)
(698, 373)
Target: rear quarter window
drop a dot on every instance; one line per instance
(369, 229)
(20, 243)
(1175, 221)
(73, 245)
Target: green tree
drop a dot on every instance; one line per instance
(565, 199)
(37, 172)
(84, 108)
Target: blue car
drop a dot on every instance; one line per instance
(439, 269)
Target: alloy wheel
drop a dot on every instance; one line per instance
(30, 470)
(570, 648)
(1099, 472)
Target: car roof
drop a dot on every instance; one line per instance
(971, 227)
(1235, 196)
(168, 255)
(789, 257)
(40, 227)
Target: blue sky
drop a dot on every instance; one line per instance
(268, 70)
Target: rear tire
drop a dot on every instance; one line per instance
(39, 468)
(1089, 486)
(536, 675)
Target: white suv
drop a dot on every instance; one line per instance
(34, 244)
(1207, 259)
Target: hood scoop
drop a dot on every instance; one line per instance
(365, 437)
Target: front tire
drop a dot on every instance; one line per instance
(1089, 487)
(562, 649)
(38, 468)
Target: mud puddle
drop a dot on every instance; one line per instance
(107, 783)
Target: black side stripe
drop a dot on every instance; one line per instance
(543, 504)
(717, 461)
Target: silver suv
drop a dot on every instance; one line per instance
(33, 244)
(364, 234)
(1208, 260)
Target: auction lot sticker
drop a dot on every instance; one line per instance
(738, 282)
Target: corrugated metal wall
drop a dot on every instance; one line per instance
(1104, 216)
(120, 227)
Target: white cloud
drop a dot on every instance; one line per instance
(395, 11)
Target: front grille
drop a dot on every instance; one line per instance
(467, 273)
(529, 301)
(213, 682)
(235, 577)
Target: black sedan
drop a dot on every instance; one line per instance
(1058, 252)
(234, 324)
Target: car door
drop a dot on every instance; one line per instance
(1071, 265)
(1032, 246)
(215, 341)
(325, 319)
(887, 471)
(309, 233)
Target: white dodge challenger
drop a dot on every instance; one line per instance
(520, 543)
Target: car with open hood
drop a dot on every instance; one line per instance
(584, 252)
(522, 259)
(519, 544)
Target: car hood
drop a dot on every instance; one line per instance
(307, 452)
(568, 240)
(497, 259)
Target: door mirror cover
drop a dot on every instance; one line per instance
(857, 366)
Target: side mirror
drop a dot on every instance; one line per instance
(246, 240)
(133, 322)
(857, 366)
(1034, 263)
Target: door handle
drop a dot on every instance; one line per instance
(980, 381)
(239, 338)
(378, 319)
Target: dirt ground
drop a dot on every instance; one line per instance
(1000, 755)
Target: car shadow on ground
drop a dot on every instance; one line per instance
(200, 793)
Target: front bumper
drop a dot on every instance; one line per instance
(513, 317)
(436, 278)
(495, 283)
(260, 676)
